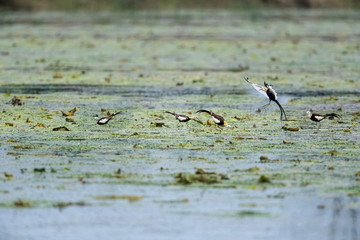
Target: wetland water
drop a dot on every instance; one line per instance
(143, 175)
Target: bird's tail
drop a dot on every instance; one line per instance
(114, 114)
(196, 119)
(205, 111)
(170, 113)
(247, 79)
(332, 116)
(282, 111)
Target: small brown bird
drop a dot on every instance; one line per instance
(182, 117)
(105, 120)
(318, 117)
(218, 120)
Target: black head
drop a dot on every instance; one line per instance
(266, 84)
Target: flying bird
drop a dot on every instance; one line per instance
(183, 118)
(218, 120)
(105, 120)
(269, 93)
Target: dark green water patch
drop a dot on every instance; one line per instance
(154, 91)
(125, 91)
(20, 203)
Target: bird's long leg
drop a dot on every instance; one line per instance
(282, 111)
(218, 128)
(285, 115)
(265, 106)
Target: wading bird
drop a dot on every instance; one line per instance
(270, 93)
(318, 117)
(218, 120)
(105, 120)
(183, 118)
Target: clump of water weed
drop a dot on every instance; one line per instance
(200, 176)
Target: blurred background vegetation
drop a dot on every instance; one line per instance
(103, 5)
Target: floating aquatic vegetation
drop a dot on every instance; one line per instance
(292, 129)
(253, 169)
(16, 101)
(21, 203)
(62, 205)
(264, 179)
(105, 111)
(333, 153)
(8, 175)
(39, 125)
(57, 75)
(265, 159)
(70, 113)
(69, 120)
(130, 198)
(40, 170)
(200, 176)
(249, 213)
(157, 124)
(61, 129)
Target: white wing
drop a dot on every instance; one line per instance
(216, 120)
(181, 118)
(319, 117)
(258, 87)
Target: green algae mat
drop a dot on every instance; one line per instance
(144, 175)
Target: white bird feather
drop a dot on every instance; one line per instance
(259, 88)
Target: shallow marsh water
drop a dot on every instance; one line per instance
(121, 180)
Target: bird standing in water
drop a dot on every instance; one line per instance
(318, 117)
(218, 120)
(183, 118)
(270, 93)
(105, 120)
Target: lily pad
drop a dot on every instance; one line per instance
(292, 129)
(61, 129)
(70, 113)
(130, 198)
